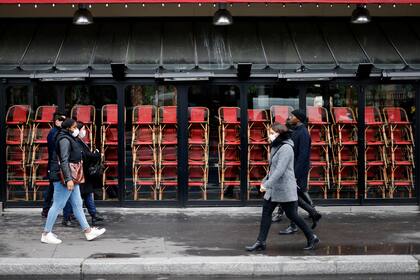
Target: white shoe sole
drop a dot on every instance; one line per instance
(93, 238)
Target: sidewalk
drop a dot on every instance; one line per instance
(204, 241)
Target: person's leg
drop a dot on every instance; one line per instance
(90, 204)
(291, 211)
(77, 204)
(267, 212)
(278, 215)
(48, 196)
(67, 211)
(307, 198)
(61, 195)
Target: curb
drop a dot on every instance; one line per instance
(241, 265)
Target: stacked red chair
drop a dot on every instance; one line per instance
(280, 113)
(319, 130)
(87, 115)
(144, 147)
(17, 119)
(258, 148)
(401, 142)
(229, 148)
(198, 148)
(344, 131)
(167, 146)
(375, 154)
(109, 147)
(42, 124)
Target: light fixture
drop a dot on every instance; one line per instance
(222, 16)
(118, 70)
(82, 16)
(244, 71)
(360, 15)
(364, 70)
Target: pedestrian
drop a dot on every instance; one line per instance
(53, 166)
(71, 172)
(280, 188)
(92, 181)
(302, 153)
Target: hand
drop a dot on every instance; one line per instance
(262, 189)
(70, 185)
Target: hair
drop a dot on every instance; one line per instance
(58, 115)
(279, 128)
(68, 123)
(80, 125)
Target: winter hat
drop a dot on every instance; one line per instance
(300, 115)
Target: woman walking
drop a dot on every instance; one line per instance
(280, 188)
(70, 161)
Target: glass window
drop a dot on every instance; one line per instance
(266, 104)
(28, 122)
(14, 40)
(96, 107)
(178, 49)
(151, 142)
(213, 143)
(332, 124)
(389, 141)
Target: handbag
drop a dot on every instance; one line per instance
(96, 169)
(76, 170)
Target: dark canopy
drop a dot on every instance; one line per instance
(148, 47)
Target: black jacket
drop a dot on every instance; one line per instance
(68, 150)
(302, 149)
(53, 166)
(89, 159)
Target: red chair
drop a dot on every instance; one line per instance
(16, 178)
(40, 155)
(145, 176)
(18, 115)
(198, 125)
(110, 156)
(318, 125)
(168, 178)
(396, 115)
(45, 114)
(318, 177)
(198, 178)
(317, 115)
(109, 179)
(280, 113)
(346, 178)
(144, 125)
(39, 178)
(256, 174)
(229, 178)
(375, 178)
(229, 126)
(110, 114)
(168, 125)
(401, 177)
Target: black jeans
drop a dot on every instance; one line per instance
(291, 211)
(48, 196)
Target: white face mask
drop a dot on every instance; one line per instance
(75, 132)
(82, 133)
(273, 136)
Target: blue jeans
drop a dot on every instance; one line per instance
(89, 203)
(61, 196)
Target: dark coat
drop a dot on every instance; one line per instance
(68, 151)
(53, 166)
(89, 159)
(302, 151)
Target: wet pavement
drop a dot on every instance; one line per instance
(209, 233)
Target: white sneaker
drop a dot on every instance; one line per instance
(50, 238)
(94, 232)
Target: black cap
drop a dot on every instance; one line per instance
(300, 115)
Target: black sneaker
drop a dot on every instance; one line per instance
(44, 212)
(67, 223)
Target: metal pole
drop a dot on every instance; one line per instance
(417, 143)
(121, 142)
(183, 174)
(3, 144)
(361, 141)
(244, 141)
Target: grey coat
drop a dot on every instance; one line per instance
(281, 182)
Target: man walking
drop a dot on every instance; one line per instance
(302, 152)
(58, 119)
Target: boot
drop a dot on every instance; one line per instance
(312, 243)
(96, 218)
(44, 212)
(307, 198)
(315, 216)
(258, 246)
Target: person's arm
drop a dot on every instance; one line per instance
(301, 156)
(283, 158)
(64, 150)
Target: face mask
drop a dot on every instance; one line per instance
(75, 132)
(273, 136)
(82, 133)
